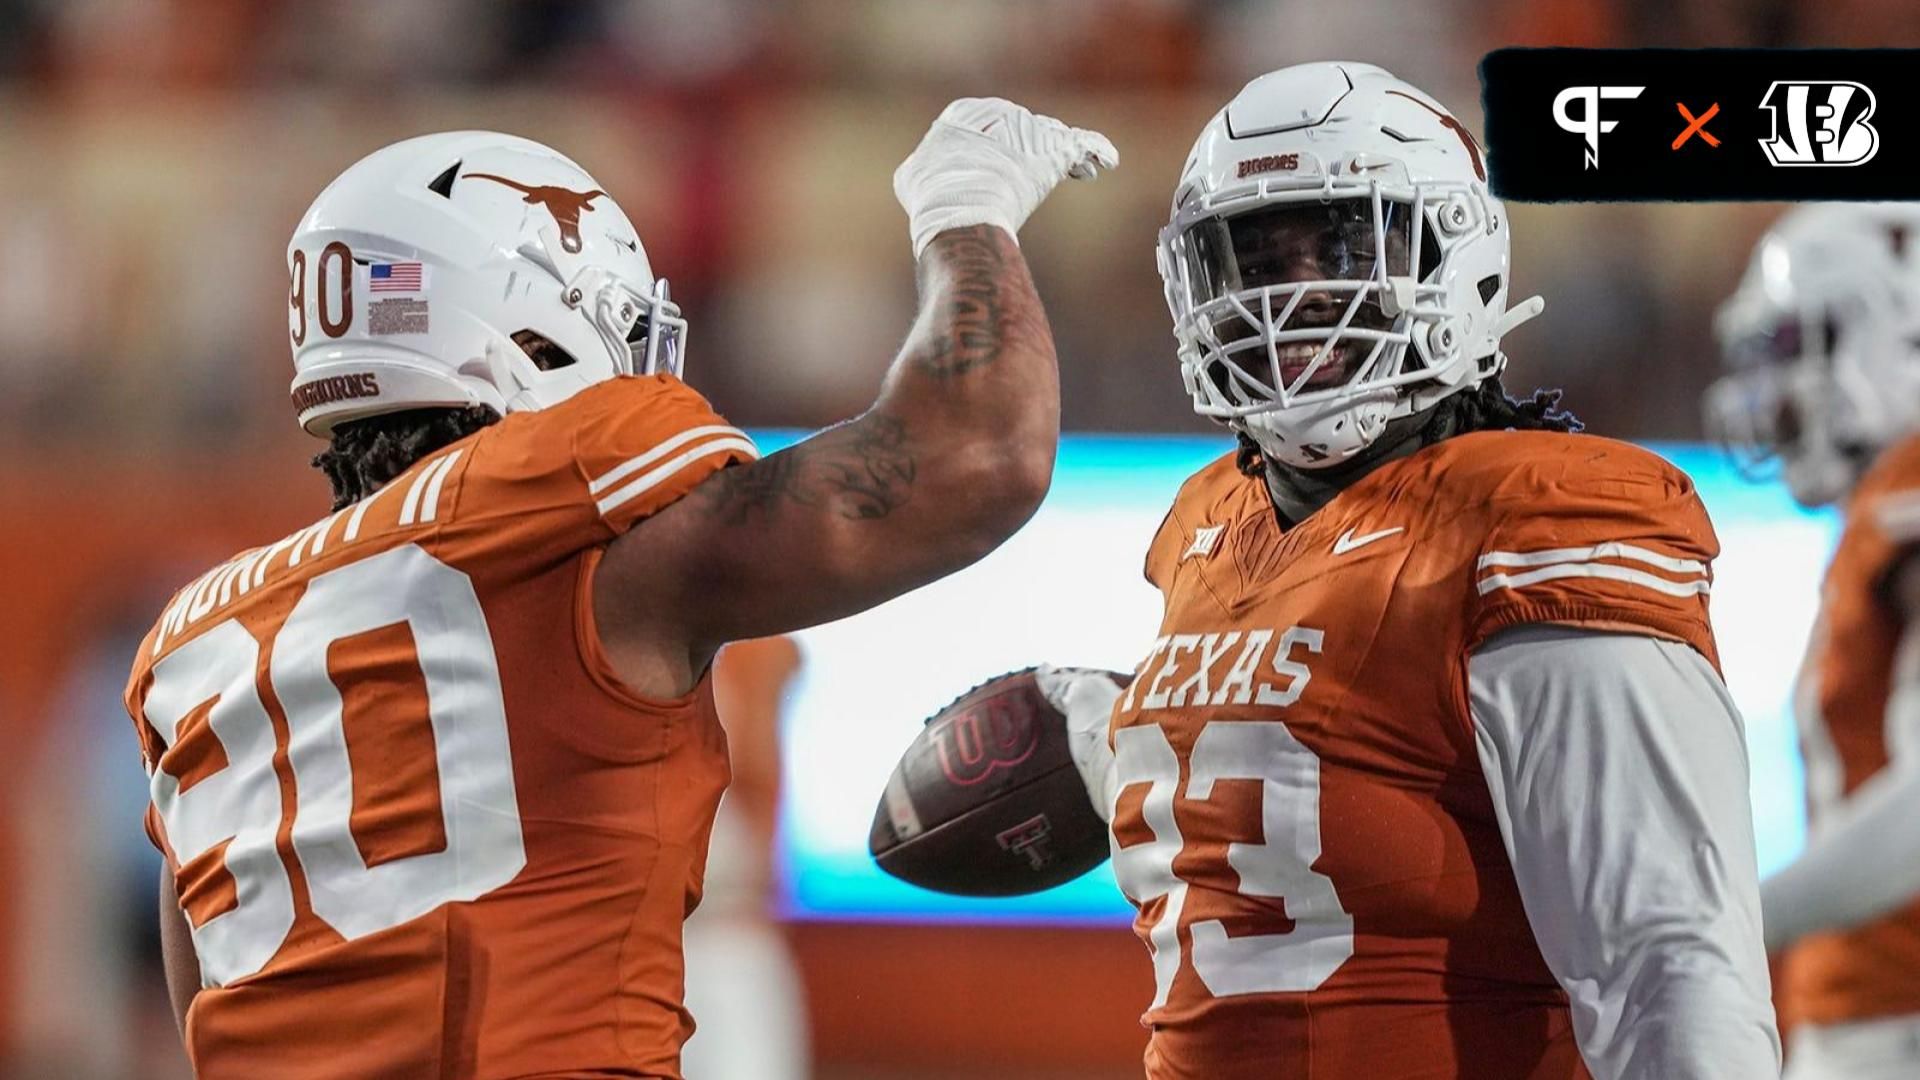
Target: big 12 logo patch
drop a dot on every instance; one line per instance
(1820, 123)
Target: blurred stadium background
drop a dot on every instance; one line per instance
(155, 154)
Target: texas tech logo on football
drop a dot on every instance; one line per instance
(1031, 839)
(1820, 123)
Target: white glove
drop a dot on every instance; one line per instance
(1086, 697)
(987, 161)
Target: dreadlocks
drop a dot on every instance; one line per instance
(365, 454)
(1484, 408)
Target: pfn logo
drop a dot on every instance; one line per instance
(1819, 123)
(1588, 124)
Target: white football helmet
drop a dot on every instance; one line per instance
(414, 271)
(1334, 261)
(1821, 341)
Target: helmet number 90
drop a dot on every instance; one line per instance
(336, 259)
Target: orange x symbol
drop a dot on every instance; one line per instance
(1697, 125)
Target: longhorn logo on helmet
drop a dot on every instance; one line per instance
(564, 204)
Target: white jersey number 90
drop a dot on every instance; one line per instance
(239, 806)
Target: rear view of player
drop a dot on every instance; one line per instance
(1823, 342)
(1430, 772)
(435, 775)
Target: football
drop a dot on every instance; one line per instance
(986, 801)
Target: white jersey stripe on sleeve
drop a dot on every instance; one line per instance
(430, 502)
(660, 474)
(635, 464)
(1609, 550)
(410, 510)
(1594, 570)
(360, 511)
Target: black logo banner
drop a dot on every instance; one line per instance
(1702, 124)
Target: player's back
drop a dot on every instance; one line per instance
(418, 826)
(1871, 970)
(1303, 819)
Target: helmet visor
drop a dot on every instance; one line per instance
(1298, 242)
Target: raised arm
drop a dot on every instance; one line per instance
(953, 457)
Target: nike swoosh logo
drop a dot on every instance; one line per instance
(1347, 541)
(1355, 168)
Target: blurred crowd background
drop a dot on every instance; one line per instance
(155, 154)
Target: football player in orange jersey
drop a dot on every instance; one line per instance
(434, 776)
(1821, 341)
(1430, 772)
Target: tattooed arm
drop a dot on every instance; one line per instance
(953, 457)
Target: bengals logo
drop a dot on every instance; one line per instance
(1819, 123)
(999, 733)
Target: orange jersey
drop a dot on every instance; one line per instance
(1302, 819)
(419, 828)
(1874, 969)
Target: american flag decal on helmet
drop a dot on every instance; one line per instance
(397, 277)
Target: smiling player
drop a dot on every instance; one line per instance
(1430, 772)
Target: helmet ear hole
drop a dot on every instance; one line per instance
(540, 349)
(1489, 286)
